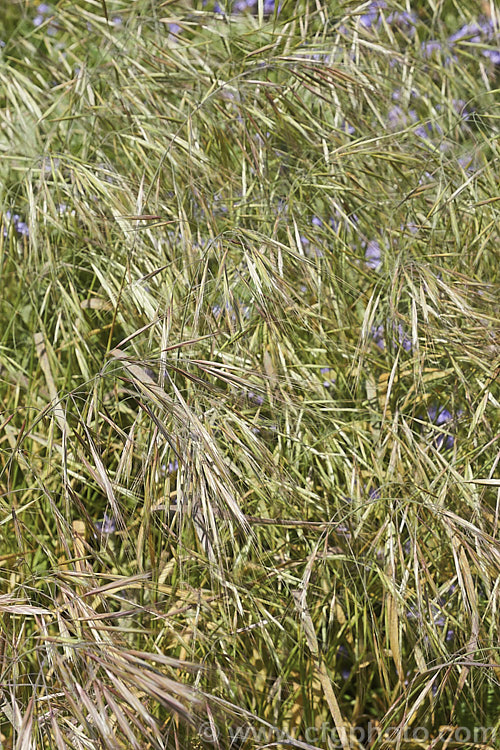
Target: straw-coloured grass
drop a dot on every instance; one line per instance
(249, 375)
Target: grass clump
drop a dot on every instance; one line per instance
(249, 361)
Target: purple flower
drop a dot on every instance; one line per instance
(377, 334)
(399, 336)
(403, 339)
(396, 117)
(240, 6)
(316, 221)
(493, 55)
(467, 162)
(19, 226)
(327, 371)
(347, 128)
(410, 227)
(22, 229)
(461, 108)
(368, 19)
(440, 416)
(172, 466)
(42, 10)
(169, 468)
(62, 208)
(477, 32)
(428, 129)
(344, 666)
(471, 32)
(430, 47)
(256, 398)
(403, 20)
(373, 255)
(107, 525)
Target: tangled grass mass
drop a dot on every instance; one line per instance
(249, 359)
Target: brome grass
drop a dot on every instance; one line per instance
(249, 375)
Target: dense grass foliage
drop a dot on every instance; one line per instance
(248, 374)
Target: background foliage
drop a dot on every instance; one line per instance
(248, 372)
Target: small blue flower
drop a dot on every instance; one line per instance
(410, 227)
(373, 255)
(107, 525)
(440, 416)
(256, 398)
(347, 128)
(461, 108)
(368, 19)
(240, 6)
(397, 117)
(431, 47)
(427, 130)
(493, 55)
(20, 227)
(403, 339)
(404, 20)
(42, 10)
(467, 162)
(471, 32)
(377, 334)
(329, 372)
(399, 336)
